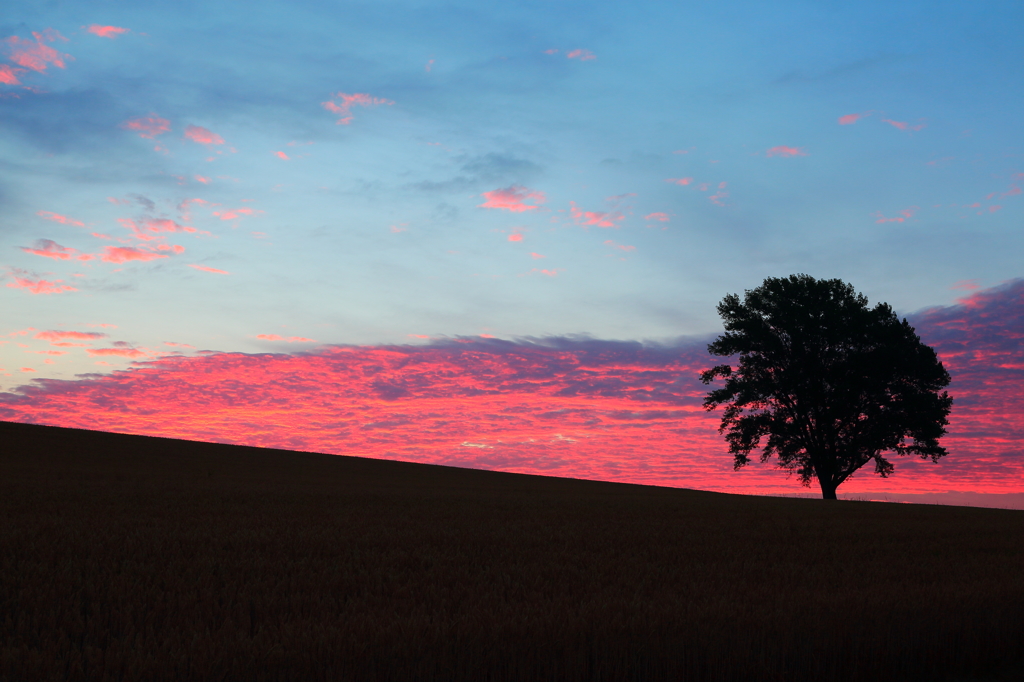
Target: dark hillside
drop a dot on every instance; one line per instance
(135, 558)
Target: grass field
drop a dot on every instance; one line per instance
(134, 558)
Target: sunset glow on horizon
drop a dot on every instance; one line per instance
(496, 239)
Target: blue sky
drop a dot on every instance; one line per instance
(662, 155)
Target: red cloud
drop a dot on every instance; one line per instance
(290, 339)
(903, 125)
(51, 249)
(206, 269)
(582, 55)
(36, 55)
(9, 75)
(58, 335)
(850, 119)
(123, 254)
(661, 217)
(149, 126)
(57, 218)
(202, 135)
(512, 198)
(679, 181)
(786, 151)
(598, 218)
(40, 286)
(348, 101)
(567, 406)
(121, 352)
(106, 31)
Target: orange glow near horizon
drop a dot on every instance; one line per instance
(616, 411)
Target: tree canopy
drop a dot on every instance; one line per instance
(831, 383)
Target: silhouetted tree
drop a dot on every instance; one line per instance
(832, 383)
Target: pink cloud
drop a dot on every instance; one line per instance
(290, 339)
(58, 335)
(153, 226)
(36, 55)
(536, 256)
(106, 31)
(903, 215)
(661, 217)
(148, 126)
(598, 218)
(512, 198)
(553, 50)
(206, 269)
(429, 64)
(850, 119)
(9, 75)
(57, 218)
(40, 286)
(582, 55)
(202, 135)
(235, 213)
(966, 285)
(200, 178)
(51, 249)
(620, 247)
(1012, 192)
(123, 254)
(786, 151)
(281, 155)
(347, 101)
(121, 352)
(993, 209)
(903, 125)
(679, 181)
(516, 237)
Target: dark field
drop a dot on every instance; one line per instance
(132, 558)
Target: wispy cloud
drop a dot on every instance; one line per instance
(9, 75)
(904, 215)
(903, 125)
(659, 216)
(124, 254)
(202, 135)
(40, 286)
(206, 269)
(620, 247)
(786, 151)
(60, 335)
(341, 103)
(581, 54)
(57, 218)
(850, 119)
(513, 199)
(105, 31)
(35, 54)
(596, 218)
(148, 126)
(50, 249)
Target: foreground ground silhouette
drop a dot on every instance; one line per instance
(134, 558)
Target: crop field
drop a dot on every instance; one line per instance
(135, 558)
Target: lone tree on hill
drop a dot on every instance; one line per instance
(832, 383)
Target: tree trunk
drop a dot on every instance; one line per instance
(828, 490)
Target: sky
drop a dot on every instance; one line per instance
(494, 234)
